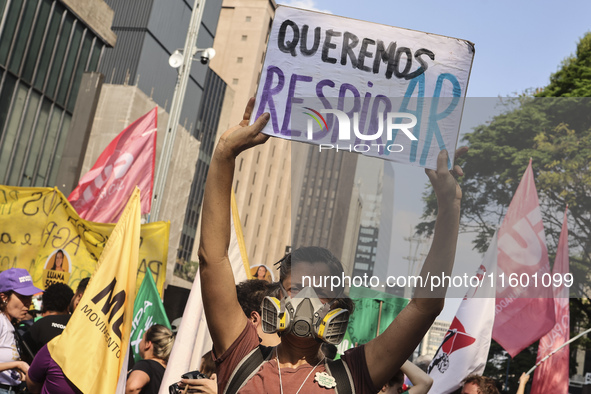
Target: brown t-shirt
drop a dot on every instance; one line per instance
(266, 380)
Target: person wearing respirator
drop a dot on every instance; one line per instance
(297, 363)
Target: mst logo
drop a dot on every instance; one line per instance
(112, 304)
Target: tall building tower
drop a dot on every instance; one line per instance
(434, 337)
(263, 175)
(370, 180)
(45, 47)
(329, 208)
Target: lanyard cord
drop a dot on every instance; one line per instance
(306, 378)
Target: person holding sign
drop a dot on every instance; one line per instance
(297, 364)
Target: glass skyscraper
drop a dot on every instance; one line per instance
(44, 50)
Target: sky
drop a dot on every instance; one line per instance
(519, 44)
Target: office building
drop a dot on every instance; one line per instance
(45, 47)
(262, 181)
(434, 337)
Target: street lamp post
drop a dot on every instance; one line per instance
(176, 107)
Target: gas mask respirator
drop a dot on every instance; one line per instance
(304, 316)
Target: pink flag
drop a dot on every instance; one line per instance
(524, 307)
(552, 375)
(128, 161)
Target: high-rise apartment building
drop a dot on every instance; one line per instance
(434, 337)
(263, 175)
(45, 47)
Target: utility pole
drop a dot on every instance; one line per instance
(175, 109)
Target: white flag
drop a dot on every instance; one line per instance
(464, 349)
(193, 339)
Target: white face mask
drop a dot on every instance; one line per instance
(305, 316)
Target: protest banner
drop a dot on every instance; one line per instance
(127, 162)
(552, 374)
(374, 311)
(147, 311)
(524, 311)
(363, 87)
(101, 323)
(37, 223)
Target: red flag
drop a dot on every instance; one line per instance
(524, 307)
(552, 375)
(128, 161)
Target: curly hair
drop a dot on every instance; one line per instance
(485, 384)
(162, 339)
(250, 295)
(57, 298)
(317, 255)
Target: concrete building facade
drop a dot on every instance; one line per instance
(434, 337)
(45, 48)
(262, 181)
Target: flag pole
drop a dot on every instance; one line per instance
(379, 318)
(555, 351)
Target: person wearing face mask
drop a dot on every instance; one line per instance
(16, 291)
(306, 316)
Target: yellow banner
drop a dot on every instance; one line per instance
(41, 232)
(101, 324)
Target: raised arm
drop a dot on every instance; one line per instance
(421, 382)
(389, 351)
(522, 382)
(225, 318)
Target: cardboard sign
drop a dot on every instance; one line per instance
(351, 85)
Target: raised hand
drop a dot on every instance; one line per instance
(242, 136)
(444, 183)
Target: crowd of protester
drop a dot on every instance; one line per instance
(267, 337)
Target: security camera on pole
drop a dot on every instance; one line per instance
(182, 60)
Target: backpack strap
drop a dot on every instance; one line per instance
(247, 368)
(339, 370)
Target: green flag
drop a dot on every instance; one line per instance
(363, 323)
(147, 311)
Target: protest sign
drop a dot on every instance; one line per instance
(363, 87)
(37, 223)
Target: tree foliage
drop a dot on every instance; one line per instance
(553, 128)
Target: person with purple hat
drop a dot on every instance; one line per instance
(16, 291)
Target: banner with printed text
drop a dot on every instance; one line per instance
(363, 87)
(41, 232)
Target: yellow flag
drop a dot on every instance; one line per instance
(37, 223)
(94, 344)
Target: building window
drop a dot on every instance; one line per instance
(236, 187)
(235, 81)
(244, 37)
(248, 19)
(239, 60)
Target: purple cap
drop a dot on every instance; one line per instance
(18, 280)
